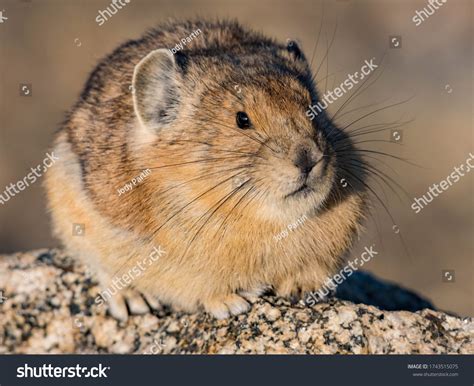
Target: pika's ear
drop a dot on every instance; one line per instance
(156, 89)
(294, 51)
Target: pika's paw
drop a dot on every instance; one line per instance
(138, 304)
(224, 306)
(288, 288)
(252, 294)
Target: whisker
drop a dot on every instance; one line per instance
(381, 203)
(252, 188)
(363, 107)
(360, 90)
(376, 111)
(205, 175)
(364, 130)
(372, 170)
(216, 207)
(327, 53)
(319, 35)
(356, 150)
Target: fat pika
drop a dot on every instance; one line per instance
(230, 106)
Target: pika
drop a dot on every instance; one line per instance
(233, 160)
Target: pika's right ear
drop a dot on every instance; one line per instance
(155, 89)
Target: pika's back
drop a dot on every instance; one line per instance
(225, 40)
(107, 94)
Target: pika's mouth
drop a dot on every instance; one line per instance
(302, 191)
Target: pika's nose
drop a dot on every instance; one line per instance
(306, 158)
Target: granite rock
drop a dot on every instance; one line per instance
(47, 306)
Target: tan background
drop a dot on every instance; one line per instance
(39, 46)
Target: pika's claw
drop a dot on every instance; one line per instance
(223, 307)
(254, 293)
(117, 308)
(138, 304)
(153, 303)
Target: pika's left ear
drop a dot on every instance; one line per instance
(294, 50)
(156, 89)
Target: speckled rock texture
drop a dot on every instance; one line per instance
(47, 306)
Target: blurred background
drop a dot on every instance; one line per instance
(52, 45)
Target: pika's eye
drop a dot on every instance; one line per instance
(243, 120)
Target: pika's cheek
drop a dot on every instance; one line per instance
(278, 178)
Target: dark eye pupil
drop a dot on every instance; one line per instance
(243, 120)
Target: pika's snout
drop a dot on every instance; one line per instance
(306, 155)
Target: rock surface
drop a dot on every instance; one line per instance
(48, 307)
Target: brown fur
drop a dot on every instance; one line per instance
(214, 247)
